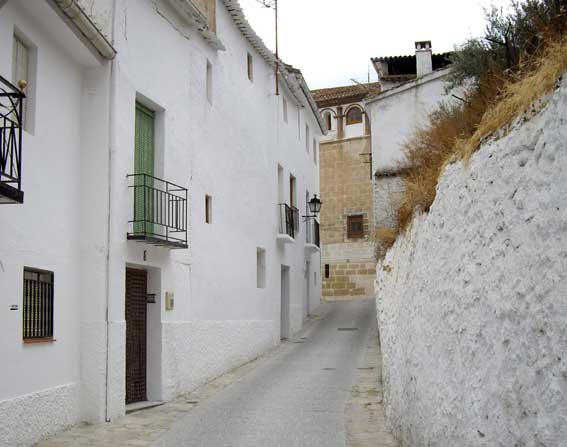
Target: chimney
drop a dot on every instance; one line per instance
(423, 62)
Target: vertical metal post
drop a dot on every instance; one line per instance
(20, 145)
(277, 52)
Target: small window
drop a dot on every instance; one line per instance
(281, 195)
(23, 76)
(38, 304)
(292, 191)
(250, 67)
(327, 271)
(284, 110)
(328, 120)
(208, 209)
(307, 138)
(260, 268)
(314, 151)
(209, 82)
(355, 228)
(298, 123)
(354, 116)
(315, 278)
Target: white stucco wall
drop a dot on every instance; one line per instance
(229, 150)
(397, 113)
(471, 299)
(74, 170)
(40, 383)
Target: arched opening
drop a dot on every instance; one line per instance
(328, 120)
(354, 116)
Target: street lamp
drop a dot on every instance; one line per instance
(314, 207)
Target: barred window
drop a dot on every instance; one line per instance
(38, 304)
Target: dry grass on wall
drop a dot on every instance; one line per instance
(384, 238)
(456, 132)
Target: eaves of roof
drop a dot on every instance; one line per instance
(83, 23)
(441, 73)
(328, 97)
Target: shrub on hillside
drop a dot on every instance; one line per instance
(516, 62)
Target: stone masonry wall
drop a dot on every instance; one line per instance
(471, 299)
(346, 190)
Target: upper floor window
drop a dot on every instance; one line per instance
(23, 76)
(209, 82)
(285, 110)
(250, 67)
(314, 150)
(307, 138)
(354, 116)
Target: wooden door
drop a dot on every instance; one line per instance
(136, 327)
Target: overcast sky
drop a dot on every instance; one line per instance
(332, 41)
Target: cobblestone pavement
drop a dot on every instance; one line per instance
(306, 392)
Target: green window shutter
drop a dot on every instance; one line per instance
(144, 153)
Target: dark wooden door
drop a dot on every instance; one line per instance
(136, 312)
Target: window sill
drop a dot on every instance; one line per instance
(31, 341)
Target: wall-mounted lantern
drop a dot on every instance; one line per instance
(314, 207)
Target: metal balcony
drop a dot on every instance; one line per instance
(289, 221)
(11, 121)
(312, 237)
(160, 212)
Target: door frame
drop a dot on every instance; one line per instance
(285, 308)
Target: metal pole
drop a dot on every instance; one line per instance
(277, 53)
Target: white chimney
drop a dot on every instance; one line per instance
(424, 64)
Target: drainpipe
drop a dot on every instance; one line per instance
(111, 139)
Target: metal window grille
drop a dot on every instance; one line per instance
(38, 304)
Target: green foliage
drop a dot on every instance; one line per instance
(510, 38)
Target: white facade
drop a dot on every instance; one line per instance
(397, 113)
(74, 219)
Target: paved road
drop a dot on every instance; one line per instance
(295, 398)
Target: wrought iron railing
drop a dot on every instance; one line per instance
(160, 211)
(312, 232)
(11, 122)
(289, 220)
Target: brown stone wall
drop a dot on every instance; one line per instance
(346, 189)
(349, 280)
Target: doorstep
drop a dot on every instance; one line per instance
(137, 406)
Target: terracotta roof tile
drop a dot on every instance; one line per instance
(326, 97)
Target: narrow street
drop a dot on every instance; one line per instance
(294, 396)
(295, 399)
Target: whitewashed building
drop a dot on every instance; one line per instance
(412, 87)
(156, 237)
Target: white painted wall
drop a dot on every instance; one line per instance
(398, 113)
(40, 383)
(75, 168)
(472, 306)
(229, 150)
